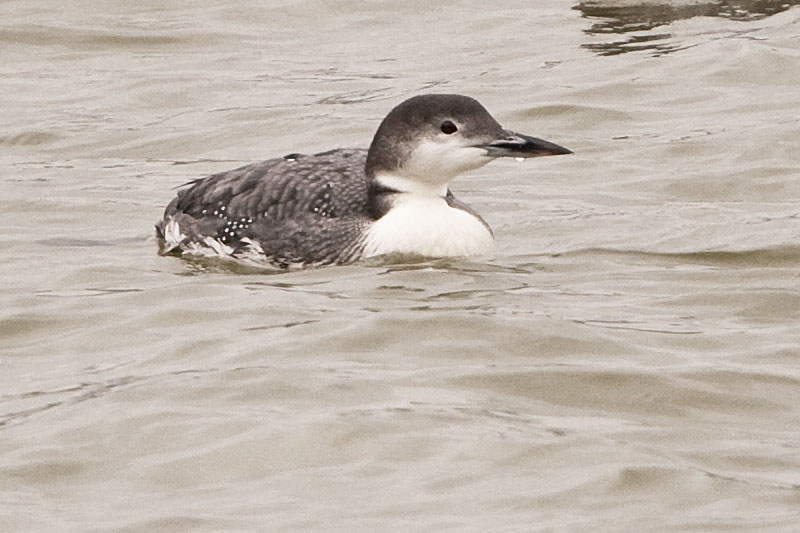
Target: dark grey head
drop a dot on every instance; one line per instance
(432, 138)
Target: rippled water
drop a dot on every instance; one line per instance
(629, 361)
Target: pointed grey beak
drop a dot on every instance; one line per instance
(519, 145)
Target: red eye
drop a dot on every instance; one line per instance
(448, 127)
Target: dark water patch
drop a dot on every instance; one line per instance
(357, 97)
(84, 292)
(29, 138)
(401, 263)
(199, 265)
(752, 481)
(778, 257)
(581, 115)
(67, 242)
(285, 325)
(328, 74)
(198, 161)
(624, 18)
(21, 327)
(78, 38)
(631, 392)
(678, 329)
(45, 400)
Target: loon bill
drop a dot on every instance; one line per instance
(344, 205)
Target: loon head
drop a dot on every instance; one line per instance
(427, 140)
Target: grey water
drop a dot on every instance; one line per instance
(627, 362)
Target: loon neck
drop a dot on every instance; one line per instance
(421, 219)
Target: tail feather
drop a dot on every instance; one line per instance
(170, 238)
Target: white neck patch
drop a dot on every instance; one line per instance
(438, 161)
(401, 183)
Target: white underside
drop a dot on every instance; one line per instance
(423, 224)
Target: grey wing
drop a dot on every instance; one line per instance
(298, 209)
(455, 203)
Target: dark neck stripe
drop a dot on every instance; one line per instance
(380, 198)
(378, 189)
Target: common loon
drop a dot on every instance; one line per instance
(344, 205)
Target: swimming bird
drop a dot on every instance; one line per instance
(345, 205)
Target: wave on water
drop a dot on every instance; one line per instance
(774, 256)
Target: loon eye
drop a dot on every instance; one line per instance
(448, 127)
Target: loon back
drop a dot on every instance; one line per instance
(295, 210)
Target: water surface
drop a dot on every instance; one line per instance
(628, 361)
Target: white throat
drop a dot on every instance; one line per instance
(420, 222)
(411, 185)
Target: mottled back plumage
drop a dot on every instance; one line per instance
(273, 206)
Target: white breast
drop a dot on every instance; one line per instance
(426, 225)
